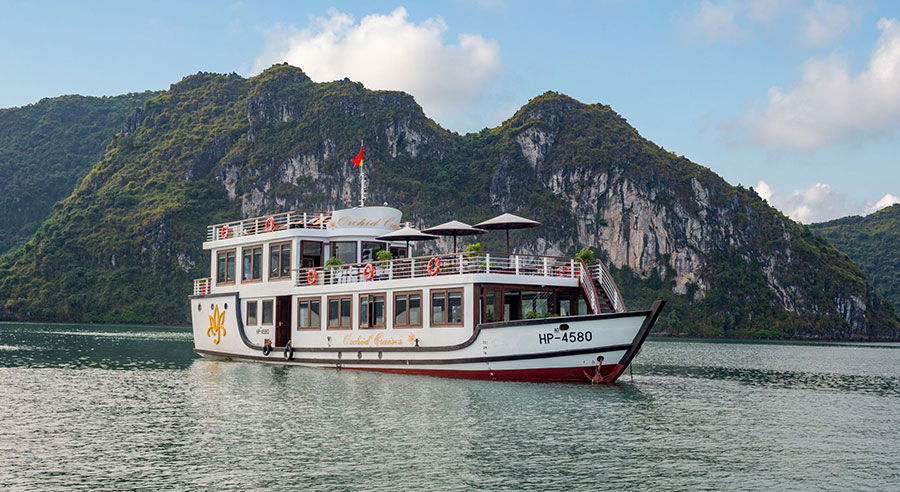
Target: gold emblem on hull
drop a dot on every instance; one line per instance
(216, 324)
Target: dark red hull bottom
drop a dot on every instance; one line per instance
(583, 374)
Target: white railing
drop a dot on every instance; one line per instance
(587, 283)
(268, 223)
(201, 286)
(601, 273)
(438, 265)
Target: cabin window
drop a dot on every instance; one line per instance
(251, 312)
(512, 305)
(225, 267)
(310, 254)
(490, 305)
(339, 313)
(251, 263)
(344, 251)
(536, 304)
(446, 307)
(308, 313)
(565, 306)
(371, 311)
(267, 310)
(408, 310)
(369, 249)
(280, 261)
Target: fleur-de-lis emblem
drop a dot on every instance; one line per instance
(216, 324)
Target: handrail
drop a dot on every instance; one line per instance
(609, 285)
(202, 286)
(587, 283)
(268, 223)
(437, 265)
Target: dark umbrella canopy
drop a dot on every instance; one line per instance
(407, 233)
(507, 222)
(454, 228)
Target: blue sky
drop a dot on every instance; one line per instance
(800, 99)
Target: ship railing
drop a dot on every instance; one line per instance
(268, 223)
(600, 272)
(440, 265)
(202, 286)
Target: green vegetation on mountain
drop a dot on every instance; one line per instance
(46, 148)
(126, 243)
(873, 242)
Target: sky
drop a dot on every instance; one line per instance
(799, 99)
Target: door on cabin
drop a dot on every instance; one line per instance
(282, 320)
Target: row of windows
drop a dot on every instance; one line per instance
(446, 310)
(253, 316)
(252, 263)
(312, 255)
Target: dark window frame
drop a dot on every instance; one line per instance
(371, 310)
(407, 325)
(261, 253)
(355, 246)
(446, 294)
(280, 245)
(255, 305)
(262, 311)
(233, 252)
(300, 325)
(338, 298)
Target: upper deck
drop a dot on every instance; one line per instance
(268, 223)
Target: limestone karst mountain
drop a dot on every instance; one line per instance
(46, 148)
(126, 243)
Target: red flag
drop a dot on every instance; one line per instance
(358, 160)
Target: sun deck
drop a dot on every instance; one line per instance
(268, 223)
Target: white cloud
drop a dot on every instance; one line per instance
(827, 22)
(831, 105)
(817, 22)
(392, 52)
(818, 203)
(716, 21)
(886, 201)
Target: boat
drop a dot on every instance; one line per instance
(313, 289)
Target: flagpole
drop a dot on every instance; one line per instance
(362, 181)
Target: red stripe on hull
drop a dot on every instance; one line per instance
(581, 374)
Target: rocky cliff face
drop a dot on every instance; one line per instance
(218, 145)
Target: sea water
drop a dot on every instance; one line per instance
(131, 407)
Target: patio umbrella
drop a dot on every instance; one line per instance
(507, 222)
(407, 233)
(454, 228)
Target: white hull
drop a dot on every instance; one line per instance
(549, 349)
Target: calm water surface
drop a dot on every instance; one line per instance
(101, 407)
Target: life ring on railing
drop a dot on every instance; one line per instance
(224, 232)
(288, 351)
(563, 271)
(434, 266)
(270, 224)
(311, 276)
(368, 271)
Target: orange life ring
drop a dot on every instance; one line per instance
(368, 271)
(563, 271)
(434, 266)
(224, 232)
(270, 224)
(311, 277)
